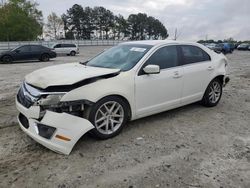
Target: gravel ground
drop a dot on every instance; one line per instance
(192, 146)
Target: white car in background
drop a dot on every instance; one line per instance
(211, 46)
(59, 104)
(66, 49)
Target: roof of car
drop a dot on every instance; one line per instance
(158, 42)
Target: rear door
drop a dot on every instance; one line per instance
(69, 47)
(158, 92)
(36, 51)
(197, 72)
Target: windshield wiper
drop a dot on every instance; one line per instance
(84, 63)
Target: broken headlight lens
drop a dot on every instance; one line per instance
(54, 104)
(50, 100)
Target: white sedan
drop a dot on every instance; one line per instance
(59, 104)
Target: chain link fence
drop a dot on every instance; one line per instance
(11, 45)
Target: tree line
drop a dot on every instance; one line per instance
(21, 20)
(86, 23)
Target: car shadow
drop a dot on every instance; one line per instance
(87, 140)
(174, 113)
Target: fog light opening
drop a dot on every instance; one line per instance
(45, 131)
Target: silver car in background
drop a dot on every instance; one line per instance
(66, 49)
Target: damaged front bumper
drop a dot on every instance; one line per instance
(56, 131)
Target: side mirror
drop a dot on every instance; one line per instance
(152, 69)
(17, 51)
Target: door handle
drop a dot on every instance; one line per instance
(176, 74)
(210, 68)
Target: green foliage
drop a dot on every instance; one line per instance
(20, 20)
(82, 22)
(143, 27)
(120, 27)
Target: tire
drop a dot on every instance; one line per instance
(103, 120)
(72, 53)
(7, 59)
(212, 94)
(45, 57)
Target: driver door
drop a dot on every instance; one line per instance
(159, 92)
(23, 53)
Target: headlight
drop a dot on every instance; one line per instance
(52, 102)
(52, 99)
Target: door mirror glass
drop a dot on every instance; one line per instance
(152, 69)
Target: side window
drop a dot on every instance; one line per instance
(193, 54)
(36, 48)
(57, 46)
(165, 57)
(68, 45)
(24, 49)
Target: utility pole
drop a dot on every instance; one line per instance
(175, 34)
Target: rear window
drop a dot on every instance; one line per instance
(193, 54)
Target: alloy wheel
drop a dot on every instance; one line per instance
(214, 92)
(109, 117)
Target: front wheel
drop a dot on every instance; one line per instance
(7, 59)
(108, 115)
(213, 93)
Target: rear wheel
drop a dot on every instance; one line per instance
(7, 59)
(213, 93)
(72, 53)
(45, 57)
(108, 115)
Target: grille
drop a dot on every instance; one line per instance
(24, 100)
(24, 121)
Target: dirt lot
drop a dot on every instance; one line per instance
(192, 146)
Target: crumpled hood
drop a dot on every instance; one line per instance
(65, 74)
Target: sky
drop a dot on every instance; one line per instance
(194, 19)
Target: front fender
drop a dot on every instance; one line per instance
(122, 85)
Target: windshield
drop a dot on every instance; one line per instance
(123, 57)
(15, 48)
